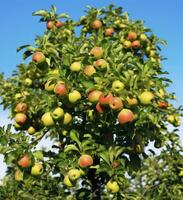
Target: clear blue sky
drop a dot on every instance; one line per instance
(18, 27)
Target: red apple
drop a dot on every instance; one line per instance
(116, 103)
(105, 99)
(136, 44)
(59, 24)
(60, 89)
(109, 32)
(163, 104)
(85, 161)
(96, 24)
(21, 107)
(94, 96)
(132, 36)
(116, 164)
(38, 57)
(24, 161)
(89, 70)
(101, 63)
(99, 108)
(20, 118)
(97, 52)
(125, 116)
(50, 25)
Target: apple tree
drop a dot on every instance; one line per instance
(97, 90)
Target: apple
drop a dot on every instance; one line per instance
(143, 37)
(163, 104)
(85, 161)
(131, 101)
(18, 175)
(127, 44)
(116, 103)
(74, 96)
(101, 63)
(67, 181)
(24, 161)
(74, 174)
(117, 86)
(76, 66)
(99, 108)
(60, 89)
(67, 118)
(146, 97)
(96, 24)
(171, 119)
(50, 25)
(112, 186)
(59, 24)
(136, 44)
(38, 57)
(89, 70)
(97, 52)
(93, 96)
(20, 118)
(28, 81)
(105, 99)
(58, 113)
(109, 32)
(21, 108)
(31, 130)
(47, 119)
(132, 35)
(116, 164)
(125, 116)
(181, 173)
(37, 169)
(49, 86)
(38, 154)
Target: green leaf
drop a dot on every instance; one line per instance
(22, 47)
(70, 147)
(105, 156)
(40, 13)
(75, 136)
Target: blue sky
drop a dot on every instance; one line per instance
(18, 27)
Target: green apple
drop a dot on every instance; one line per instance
(31, 130)
(146, 97)
(74, 174)
(127, 44)
(38, 155)
(143, 37)
(76, 66)
(181, 173)
(47, 119)
(118, 86)
(74, 96)
(67, 118)
(112, 186)
(58, 113)
(28, 82)
(67, 181)
(37, 169)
